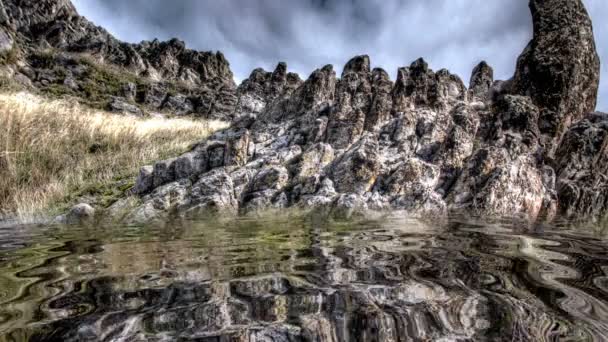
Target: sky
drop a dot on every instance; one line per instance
(307, 34)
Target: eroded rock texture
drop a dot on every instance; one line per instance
(424, 144)
(61, 52)
(560, 68)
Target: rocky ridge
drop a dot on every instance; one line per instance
(57, 51)
(424, 144)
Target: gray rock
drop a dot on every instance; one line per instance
(145, 180)
(237, 148)
(213, 193)
(357, 170)
(313, 161)
(164, 172)
(129, 91)
(120, 105)
(80, 214)
(190, 164)
(353, 101)
(481, 82)
(178, 105)
(161, 202)
(560, 67)
(154, 96)
(71, 83)
(582, 172)
(6, 42)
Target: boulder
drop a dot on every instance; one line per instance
(145, 180)
(237, 148)
(178, 105)
(212, 193)
(80, 214)
(120, 105)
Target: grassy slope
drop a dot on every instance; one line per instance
(52, 152)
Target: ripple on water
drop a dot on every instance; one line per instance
(296, 277)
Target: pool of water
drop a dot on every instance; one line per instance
(304, 278)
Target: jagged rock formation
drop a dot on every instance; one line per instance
(422, 144)
(51, 41)
(560, 68)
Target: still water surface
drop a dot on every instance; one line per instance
(302, 278)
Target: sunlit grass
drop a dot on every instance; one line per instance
(52, 149)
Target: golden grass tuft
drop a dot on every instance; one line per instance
(52, 149)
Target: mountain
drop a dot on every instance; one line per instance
(62, 53)
(531, 146)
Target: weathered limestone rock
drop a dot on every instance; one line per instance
(313, 161)
(582, 168)
(353, 101)
(190, 164)
(214, 192)
(560, 67)
(481, 82)
(161, 202)
(6, 42)
(414, 175)
(145, 180)
(265, 188)
(262, 88)
(237, 148)
(418, 86)
(381, 101)
(356, 171)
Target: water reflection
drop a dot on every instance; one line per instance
(294, 278)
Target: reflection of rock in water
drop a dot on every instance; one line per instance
(392, 283)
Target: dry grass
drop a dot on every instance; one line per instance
(51, 150)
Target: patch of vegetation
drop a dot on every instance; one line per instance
(102, 194)
(9, 57)
(43, 59)
(102, 81)
(53, 153)
(97, 82)
(8, 84)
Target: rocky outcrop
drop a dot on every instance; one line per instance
(424, 144)
(52, 39)
(560, 67)
(582, 172)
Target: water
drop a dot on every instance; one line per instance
(293, 278)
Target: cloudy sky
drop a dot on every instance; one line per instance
(307, 34)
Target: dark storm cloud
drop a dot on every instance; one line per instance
(453, 34)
